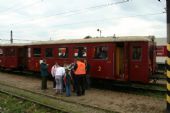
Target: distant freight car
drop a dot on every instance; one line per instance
(130, 58)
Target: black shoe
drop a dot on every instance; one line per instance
(78, 94)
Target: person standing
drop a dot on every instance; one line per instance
(80, 71)
(59, 73)
(88, 82)
(74, 82)
(67, 81)
(44, 74)
(53, 74)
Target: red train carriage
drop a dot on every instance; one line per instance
(121, 58)
(13, 56)
(1, 56)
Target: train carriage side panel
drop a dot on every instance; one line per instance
(102, 66)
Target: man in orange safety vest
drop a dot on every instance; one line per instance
(80, 72)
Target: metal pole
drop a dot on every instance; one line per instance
(168, 58)
(100, 33)
(11, 40)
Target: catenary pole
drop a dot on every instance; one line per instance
(11, 38)
(168, 58)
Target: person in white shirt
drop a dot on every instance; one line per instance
(53, 74)
(58, 72)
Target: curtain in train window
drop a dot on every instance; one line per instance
(100, 52)
(136, 53)
(49, 52)
(63, 52)
(36, 52)
(80, 52)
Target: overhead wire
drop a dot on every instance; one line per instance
(77, 11)
(91, 21)
(15, 8)
(94, 7)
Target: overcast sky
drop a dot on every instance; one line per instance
(58, 19)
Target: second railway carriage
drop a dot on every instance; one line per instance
(130, 58)
(13, 56)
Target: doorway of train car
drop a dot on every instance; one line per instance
(119, 61)
(138, 62)
(121, 71)
(22, 58)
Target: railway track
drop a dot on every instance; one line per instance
(50, 101)
(123, 86)
(131, 87)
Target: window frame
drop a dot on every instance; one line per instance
(66, 53)
(36, 55)
(138, 58)
(94, 52)
(51, 52)
(77, 47)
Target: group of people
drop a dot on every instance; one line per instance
(74, 77)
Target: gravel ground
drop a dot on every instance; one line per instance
(112, 100)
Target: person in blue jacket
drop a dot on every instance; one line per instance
(44, 74)
(67, 81)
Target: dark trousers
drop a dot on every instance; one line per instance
(88, 82)
(80, 87)
(54, 83)
(44, 83)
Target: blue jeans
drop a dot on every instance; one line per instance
(68, 90)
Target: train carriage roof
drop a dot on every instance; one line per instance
(90, 40)
(14, 45)
(97, 40)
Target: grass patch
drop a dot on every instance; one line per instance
(9, 104)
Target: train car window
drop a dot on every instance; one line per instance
(136, 53)
(36, 52)
(1, 52)
(49, 52)
(101, 52)
(63, 52)
(10, 52)
(80, 52)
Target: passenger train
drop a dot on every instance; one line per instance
(126, 58)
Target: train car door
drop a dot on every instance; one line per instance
(22, 57)
(121, 69)
(138, 62)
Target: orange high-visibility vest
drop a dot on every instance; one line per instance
(81, 68)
